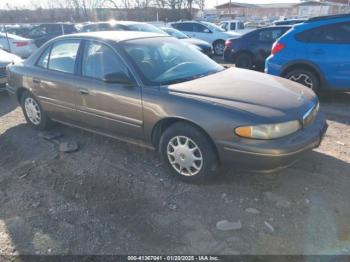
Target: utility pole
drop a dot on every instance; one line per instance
(229, 8)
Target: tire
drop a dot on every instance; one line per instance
(244, 61)
(304, 77)
(193, 169)
(33, 112)
(218, 47)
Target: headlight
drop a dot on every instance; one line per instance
(268, 131)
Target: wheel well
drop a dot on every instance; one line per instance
(218, 40)
(163, 124)
(302, 66)
(20, 92)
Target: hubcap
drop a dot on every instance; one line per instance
(32, 110)
(184, 155)
(302, 79)
(219, 48)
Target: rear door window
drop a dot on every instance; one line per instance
(199, 28)
(269, 35)
(63, 56)
(338, 33)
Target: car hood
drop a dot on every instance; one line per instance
(195, 41)
(272, 98)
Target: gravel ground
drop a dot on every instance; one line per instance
(114, 198)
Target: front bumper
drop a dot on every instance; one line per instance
(275, 154)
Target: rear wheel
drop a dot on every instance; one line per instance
(188, 153)
(244, 61)
(218, 47)
(304, 77)
(33, 112)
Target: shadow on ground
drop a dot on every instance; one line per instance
(7, 104)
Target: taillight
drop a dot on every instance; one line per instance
(228, 42)
(277, 47)
(18, 44)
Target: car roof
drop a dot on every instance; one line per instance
(112, 22)
(116, 36)
(327, 17)
(187, 21)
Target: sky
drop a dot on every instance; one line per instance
(209, 3)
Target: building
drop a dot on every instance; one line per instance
(282, 10)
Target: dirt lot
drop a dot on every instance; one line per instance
(114, 198)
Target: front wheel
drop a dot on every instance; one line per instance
(188, 153)
(304, 77)
(219, 46)
(33, 112)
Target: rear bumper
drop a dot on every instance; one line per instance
(273, 66)
(272, 155)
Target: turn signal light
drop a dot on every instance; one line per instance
(244, 131)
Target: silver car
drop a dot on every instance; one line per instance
(6, 59)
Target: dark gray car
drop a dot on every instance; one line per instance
(156, 91)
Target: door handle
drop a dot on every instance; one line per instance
(83, 91)
(36, 81)
(317, 51)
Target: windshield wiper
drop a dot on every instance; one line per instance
(176, 81)
(189, 78)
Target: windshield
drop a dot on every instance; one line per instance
(175, 33)
(213, 27)
(166, 60)
(144, 28)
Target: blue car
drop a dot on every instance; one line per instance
(315, 53)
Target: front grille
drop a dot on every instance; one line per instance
(3, 72)
(310, 115)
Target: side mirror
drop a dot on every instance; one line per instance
(206, 30)
(118, 78)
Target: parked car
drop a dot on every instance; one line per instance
(44, 32)
(289, 21)
(17, 45)
(5, 59)
(155, 91)
(202, 46)
(234, 26)
(315, 54)
(250, 50)
(121, 26)
(205, 31)
(17, 29)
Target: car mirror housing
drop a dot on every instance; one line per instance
(118, 78)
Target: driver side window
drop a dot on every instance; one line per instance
(201, 28)
(100, 60)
